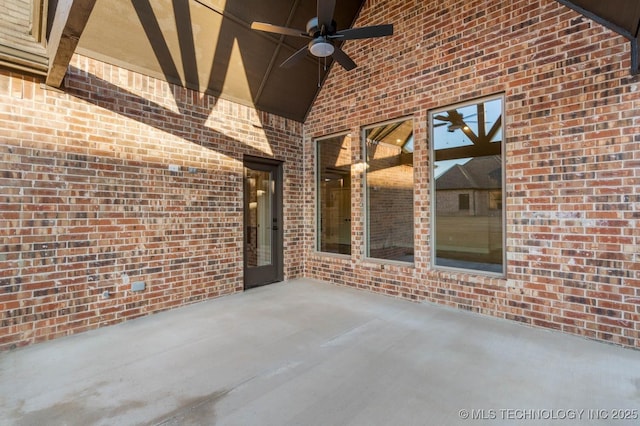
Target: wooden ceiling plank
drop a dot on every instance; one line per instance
(70, 19)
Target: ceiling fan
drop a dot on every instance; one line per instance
(453, 120)
(322, 32)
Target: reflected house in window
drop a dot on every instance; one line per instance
(468, 186)
(471, 189)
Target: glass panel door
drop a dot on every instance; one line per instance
(262, 212)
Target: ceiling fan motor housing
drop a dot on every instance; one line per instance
(314, 30)
(320, 46)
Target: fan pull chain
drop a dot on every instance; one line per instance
(324, 68)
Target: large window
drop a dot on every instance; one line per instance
(389, 191)
(334, 194)
(467, 149)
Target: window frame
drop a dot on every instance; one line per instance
(432, 185)
(365, 194)
(316, 171)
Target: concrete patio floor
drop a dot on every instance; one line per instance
(309, 353)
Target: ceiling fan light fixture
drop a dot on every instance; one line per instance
(321, 48)
(321, 30)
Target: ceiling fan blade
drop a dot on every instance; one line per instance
(325, 12)
(261, 26)
(295, 58)
(343, 59)
(364, 32)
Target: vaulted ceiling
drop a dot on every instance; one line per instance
(208, 45)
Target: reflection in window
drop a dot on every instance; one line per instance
(463, 201)
(389, 186)
(495, 200)
(334, 194)
(467, 148)
(259, 190)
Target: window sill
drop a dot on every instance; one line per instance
(331, 255)
(387, 262)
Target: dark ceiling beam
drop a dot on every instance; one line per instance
(382, 132)
(70, 18)
(274, 57)
(493, 148)
(279, 41)
(631, 34)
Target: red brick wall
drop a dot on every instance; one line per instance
(572, 157)
(88, 203)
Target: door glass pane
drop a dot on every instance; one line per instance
(259, 224)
